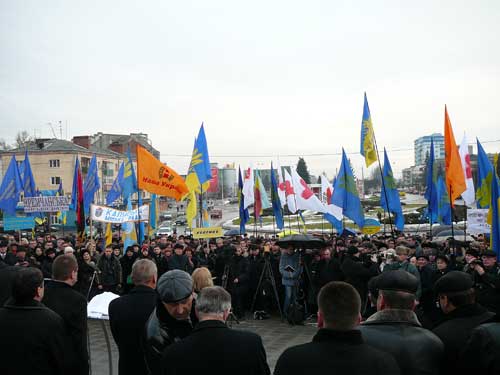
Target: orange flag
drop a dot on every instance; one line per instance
(455, 180)
(156, 177)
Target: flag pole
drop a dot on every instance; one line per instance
(452, 228)
(383, 186)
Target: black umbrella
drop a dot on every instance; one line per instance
(301, 241)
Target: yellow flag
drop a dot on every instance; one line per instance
(109, 235)
(156, 177)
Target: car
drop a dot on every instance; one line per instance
(166, 223)
(181, 220)
(164, 231)
(216, 214)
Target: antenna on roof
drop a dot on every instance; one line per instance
(52, 128)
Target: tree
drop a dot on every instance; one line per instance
(374, 181)
(22, 138)
(303, 171)
(3, 145)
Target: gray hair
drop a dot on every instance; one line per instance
(213, 300)
(143, 271)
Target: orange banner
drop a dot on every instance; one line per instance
(455, 180)
(156, 177)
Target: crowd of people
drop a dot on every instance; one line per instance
(402, 303)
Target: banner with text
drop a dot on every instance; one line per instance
(210, 232)
(477, 221)
(110, 215)
(46, 204)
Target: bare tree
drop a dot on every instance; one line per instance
(22, 138)
(3, 145)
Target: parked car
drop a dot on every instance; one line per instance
(181, 220)
(216, 214)
(164, 231)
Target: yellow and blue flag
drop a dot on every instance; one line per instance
(140, 229)
(390, 191)
(129, 235)
(91, 184)
(367, 148)
(484, 178)
(153, 215)
(276, 202)
(11, 188)
(444, 206)
(244, 215)
(345, 193)
(116, 189)
(129, 185)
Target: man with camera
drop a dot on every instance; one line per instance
(487, 281)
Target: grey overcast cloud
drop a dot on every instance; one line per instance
(270, 79)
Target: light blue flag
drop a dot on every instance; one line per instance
(152, 214)
(129, 185)
(263, 194)
(129, 234)
(11, 188)
(275, 199)
(495, 222)
(390, 191)
(116, 189)
(201, 160)
(484, 178)
(91, 184)
(27, 178)
(345, 193)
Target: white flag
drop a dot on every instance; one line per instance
(327, 192)
(281, 186)
(305, 198)
(290, 193)
(469, 195)
(248, 187)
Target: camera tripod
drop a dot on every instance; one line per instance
(225, 276)
(267, 274)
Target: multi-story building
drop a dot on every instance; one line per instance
(423, 147)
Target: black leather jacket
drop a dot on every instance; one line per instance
(398, 332)
(162, 330)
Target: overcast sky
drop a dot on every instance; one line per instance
(268, 78)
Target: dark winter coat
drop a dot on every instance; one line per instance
(161, 330)
(399, 333)
(238, 269)
(127, 318)
(7, 275)
(335, 352)
(47, 267)
(455, 331)
(488, 289)
(327, 270)
(213, 348)
(71, 306)
(33, 340)
(110, 270)
(126, 263)
(9, 259)
(482, 352)
(178, 262)
(85, 275)
(358, 274)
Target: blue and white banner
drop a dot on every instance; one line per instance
(111, 215)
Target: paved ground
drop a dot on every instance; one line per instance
(277, 336)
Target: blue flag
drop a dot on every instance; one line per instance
(91, 184)
(495, 220)
(275, 199)
(484, 178)
(27, 178)
(431, 188)
(390, 191)
(140, 229)
(11, 188)
(74, 189)
(201, 161)
(244, 215)
(129, 235)
(345, 193)
(116, 189)
(129, 185)
(444, 207)
(152, 215)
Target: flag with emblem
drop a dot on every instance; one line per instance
(389, 198)
(345, 193)
(244, 215)
(290, 193)
(11, 188)
(281, 186)
(248, 187)
(484, 178)
(116, 189)
(304, 196)
(91, 184)
(367, 148)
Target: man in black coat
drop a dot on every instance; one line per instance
(462, 314)
(128, 315)
(7, 276)
(6, 256)
(61, 298)
(33, 337)
(395, 329)
(212, 347)
(338, 347)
